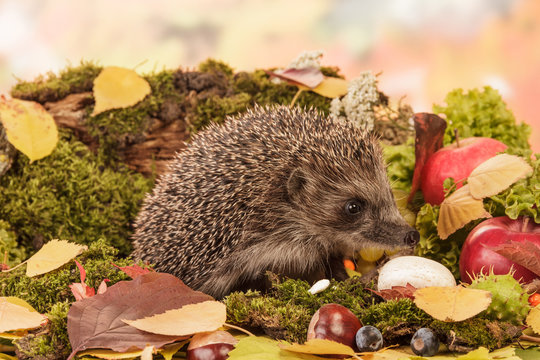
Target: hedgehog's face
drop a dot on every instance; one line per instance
(348, 210)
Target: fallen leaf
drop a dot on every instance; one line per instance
(479, 354)
(168, 351)
(429, 130)
(319, 347)
(13, 336)
(496, 174)
(332, 87)
(187, 320)
(388, 354)
(51, 256)
(533, 319)
(133, 270)
(116, 87)
(457, 210)
(524, 253)
(452, 303)
(16, 317)
(96, 322)
(396, 292)
(7, 357)
(261, 348)
(309, 77)
(81, 290)
(29, 127)
(109, 354)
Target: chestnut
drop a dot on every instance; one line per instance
(211, 346)
(334, 322)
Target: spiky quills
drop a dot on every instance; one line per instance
(224, 210)
(509, 301)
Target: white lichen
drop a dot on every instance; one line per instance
(307, 59)
(357, 106)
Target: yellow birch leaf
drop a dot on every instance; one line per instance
(13, 335)
(15, 317)
(332, 87)
(533, 319)
(458, 210)
(319, 347)
(116, 87)
(389, 354)
(496, 174)
(29, 127)
(168, 351)
(188, 320)
(109, 354)
(51, 256)
(452, 303)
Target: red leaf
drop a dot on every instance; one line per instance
(134, 270)
(81, 291)
(397, 292)
(81, 271)
(310, 77)
(429, 136)
(103, 286)
(526, 254)
(96, 322)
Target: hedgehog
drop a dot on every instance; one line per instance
(279, 189)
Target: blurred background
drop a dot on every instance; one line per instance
(422, 49)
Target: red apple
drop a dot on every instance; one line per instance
(476, 257)
(456, 161)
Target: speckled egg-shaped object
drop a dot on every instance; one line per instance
(415, 270)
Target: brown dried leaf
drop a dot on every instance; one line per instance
(452, 303)
(526, 254)
(429, 130)
(458, 210)
(310, 77)
(396, 292)
(96, 322)
(496, 174)
(187, 320)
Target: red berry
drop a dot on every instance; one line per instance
(534, 299)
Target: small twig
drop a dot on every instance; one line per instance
(238, 328)
(530, 338)
(456, 133)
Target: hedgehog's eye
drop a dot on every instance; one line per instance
(353, 207)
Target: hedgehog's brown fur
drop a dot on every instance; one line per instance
(268, 191)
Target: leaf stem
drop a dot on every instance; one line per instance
(296, 97)
(525, 223)
(456, 133)
(238, 328)
(530, 338)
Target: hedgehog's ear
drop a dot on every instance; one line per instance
(295, 184)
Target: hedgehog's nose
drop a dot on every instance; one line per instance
(411, 238)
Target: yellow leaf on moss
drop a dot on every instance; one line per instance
(168, 351)
(496, 174)
(332, 87)
(109, 354)
(16, 317)
(457, 210)
(452, 303)
(319, 347)
(51, 256)
(116, 87)
(188, 320)
(533, 319)
(29, 127)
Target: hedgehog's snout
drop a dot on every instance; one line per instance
(411, 238)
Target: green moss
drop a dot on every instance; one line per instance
(55, 87)
(71, 195)
(216, 108)
(44, 291)
(9, 246)
(212, 65)
(50, 341)
(285, 312)
(117, 128)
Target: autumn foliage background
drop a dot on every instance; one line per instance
(423, 49)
